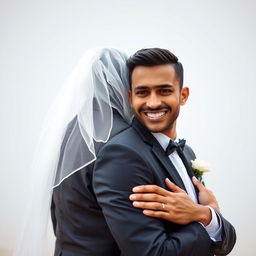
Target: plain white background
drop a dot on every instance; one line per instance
(41, 41)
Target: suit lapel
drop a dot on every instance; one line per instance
(190, 171)
(166, 162)
(185, 162)
(158, 151)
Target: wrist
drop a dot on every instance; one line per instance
(204, 215)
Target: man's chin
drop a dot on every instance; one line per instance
(156, 129)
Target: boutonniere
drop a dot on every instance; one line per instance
(199, 167)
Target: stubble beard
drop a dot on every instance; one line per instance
(170, 124)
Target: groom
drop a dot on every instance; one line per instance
(146, 153)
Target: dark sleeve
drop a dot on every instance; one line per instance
(117, 170)
(228, 234)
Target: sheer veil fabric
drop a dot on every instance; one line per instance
(97, 85)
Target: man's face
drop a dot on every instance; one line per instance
(156, 97)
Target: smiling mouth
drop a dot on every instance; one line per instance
(155, 116)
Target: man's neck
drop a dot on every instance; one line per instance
(171, 133)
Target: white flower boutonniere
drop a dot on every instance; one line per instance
(199, 167)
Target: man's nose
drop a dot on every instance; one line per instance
(153, 101)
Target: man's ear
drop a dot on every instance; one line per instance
(130, 97)
(184, 95)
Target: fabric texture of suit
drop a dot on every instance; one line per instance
(134, 157)
(79, 225)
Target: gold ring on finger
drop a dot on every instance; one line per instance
(163, 205)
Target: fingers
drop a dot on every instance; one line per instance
(198, 184)
(158, 190)
(150, 189)
(172, 186)
(147, 198)
(157, 214)
(150, 206)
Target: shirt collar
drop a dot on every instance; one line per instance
(162, 139)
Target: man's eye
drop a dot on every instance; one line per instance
(166, 91)
(141, 93)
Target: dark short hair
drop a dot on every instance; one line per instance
(153, 57)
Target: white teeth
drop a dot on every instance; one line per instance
(155, 115)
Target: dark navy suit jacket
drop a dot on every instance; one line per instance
(79, 225)
(109, 225)
(134, 157)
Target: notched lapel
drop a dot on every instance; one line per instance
(190, 171)
(158, 151)
(166, 162)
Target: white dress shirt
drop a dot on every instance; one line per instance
(215, 226)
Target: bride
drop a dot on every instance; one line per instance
(91, 107)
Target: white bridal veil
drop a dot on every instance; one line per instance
(98, 84)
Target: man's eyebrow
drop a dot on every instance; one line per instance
(143, 87)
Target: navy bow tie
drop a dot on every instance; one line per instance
(175, 145)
